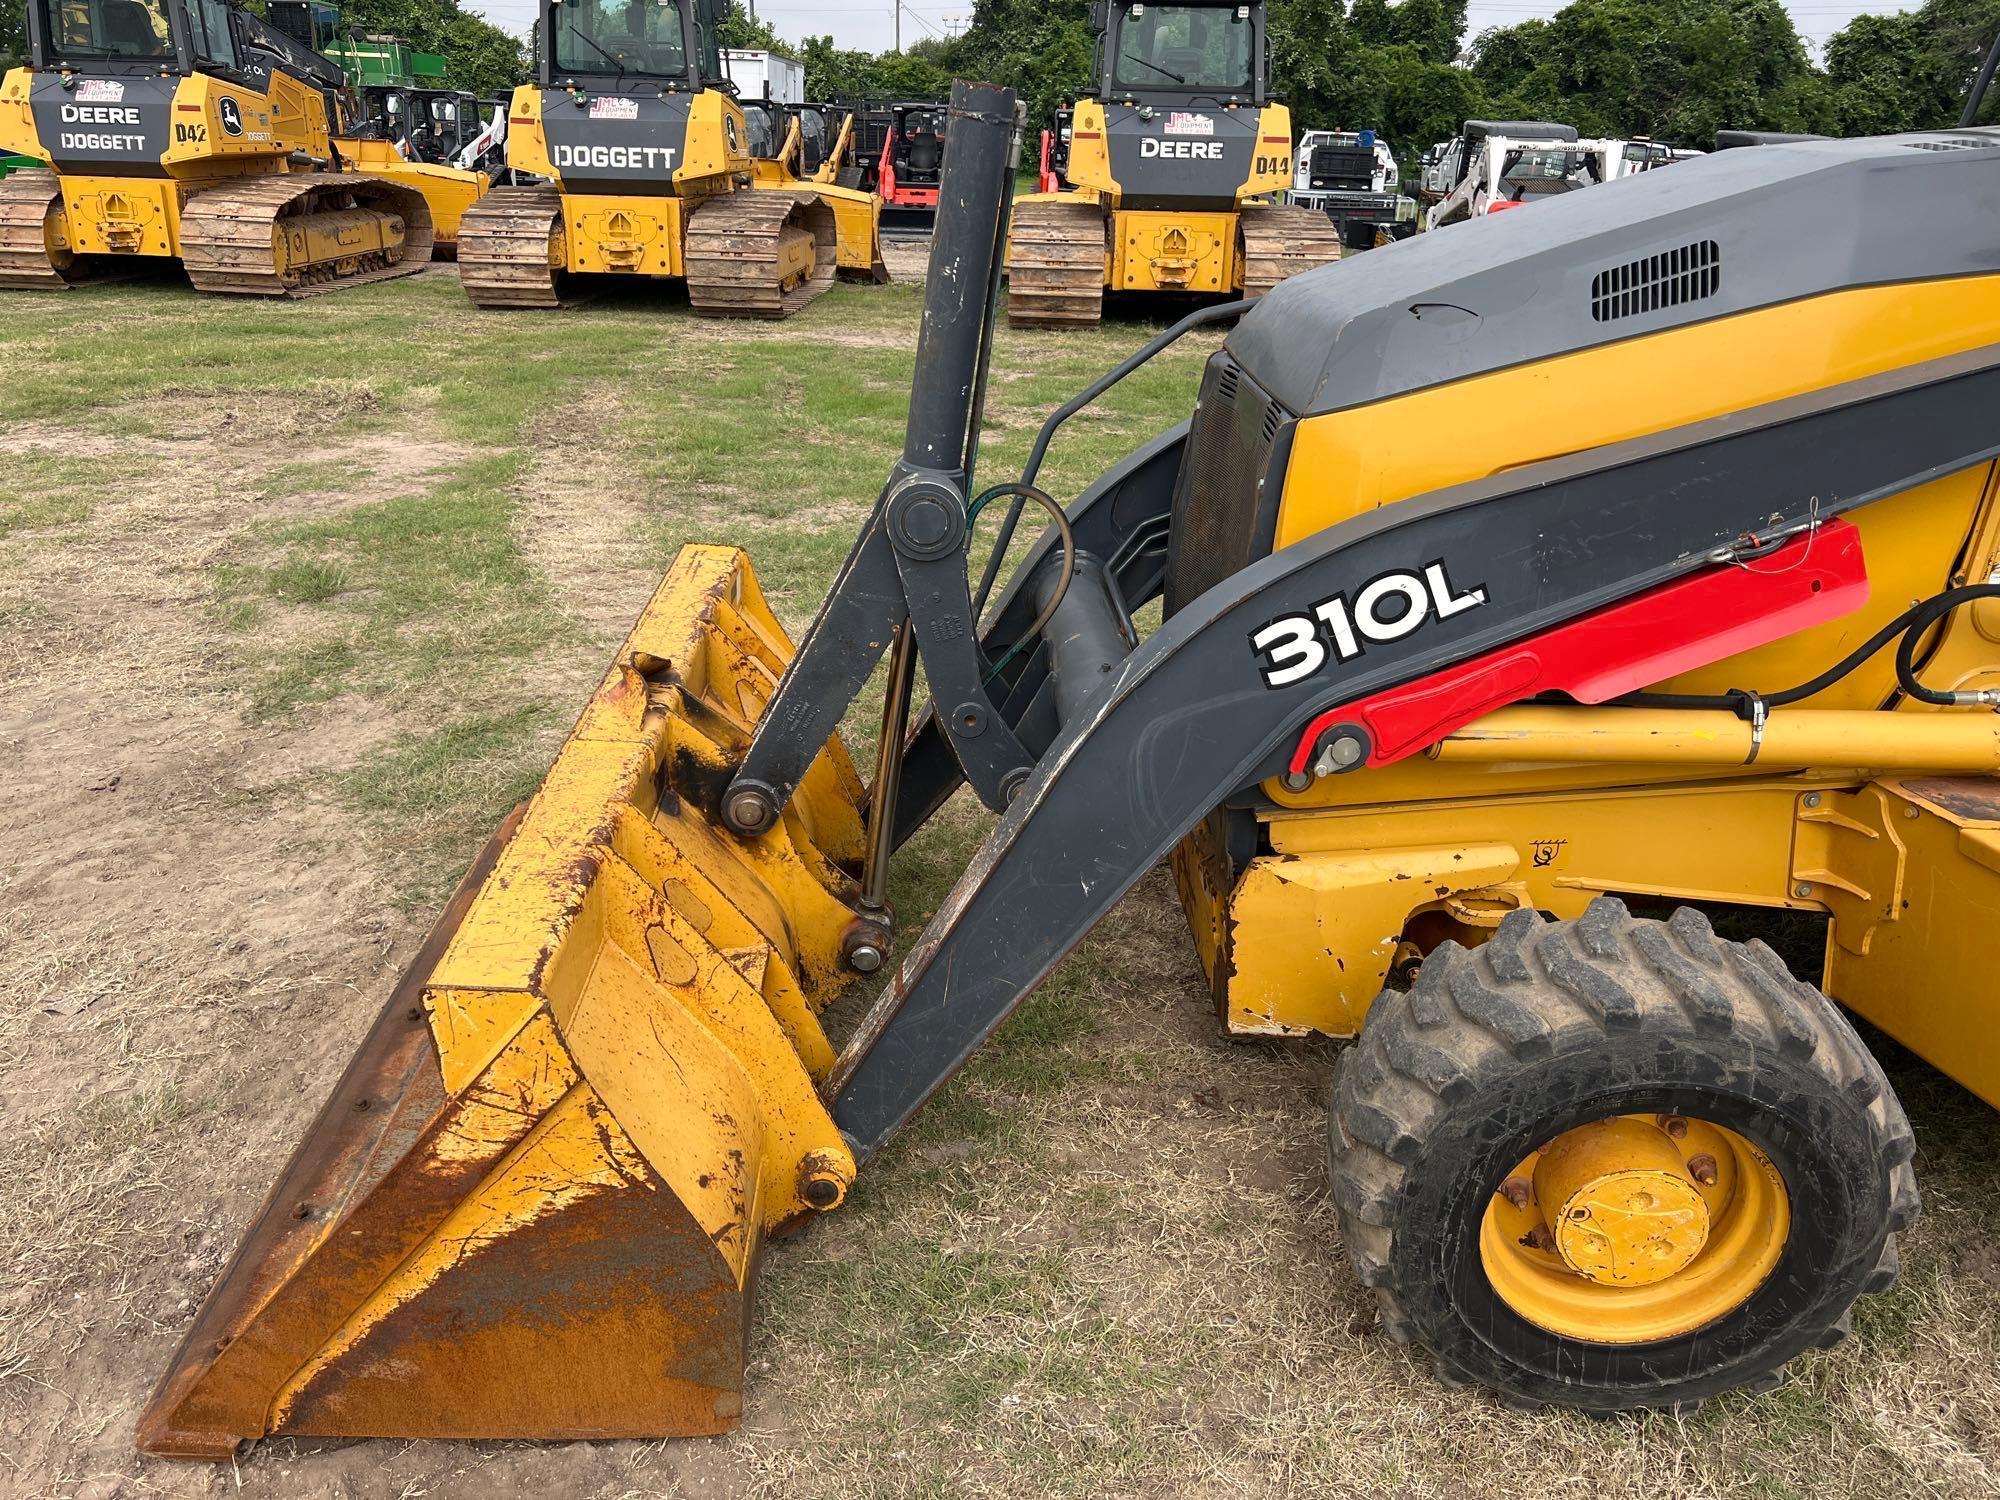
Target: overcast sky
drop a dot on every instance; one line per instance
(872, 28)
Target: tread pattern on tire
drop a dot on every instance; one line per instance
(1474, 1014)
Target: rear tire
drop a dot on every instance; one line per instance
(1550, 1026)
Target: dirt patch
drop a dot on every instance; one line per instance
(908, 257)
(124, 594)
(582, 508)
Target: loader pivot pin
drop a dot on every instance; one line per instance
(749, 811)
(824, 1180)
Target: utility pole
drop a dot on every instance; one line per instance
(899, 25)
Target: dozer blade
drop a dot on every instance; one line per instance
(533, 1206)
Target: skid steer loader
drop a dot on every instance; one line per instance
(1451, 747)
(649, 172)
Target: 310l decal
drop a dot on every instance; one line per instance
(1293, 647)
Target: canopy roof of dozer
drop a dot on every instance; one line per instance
(535, 1203)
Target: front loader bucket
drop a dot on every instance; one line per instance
(534, 1205)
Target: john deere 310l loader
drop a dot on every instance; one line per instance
(1451, 744)
(190, 130)
(650, 173)
(1167, 154)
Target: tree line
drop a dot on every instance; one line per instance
(479, 55)
(1674, 70)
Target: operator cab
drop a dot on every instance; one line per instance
(135, 37)
(765, 121)
(816, 131)
(628, 46)
(919, 148)
(1213, 52)
(1543, 171)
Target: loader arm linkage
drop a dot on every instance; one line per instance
(1139, 759)
(1147, 759)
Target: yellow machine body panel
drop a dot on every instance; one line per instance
(1929, 859)
(1365, 873)
(122, 216)
(450, 191)
(537, 1199)
(18, 135)
(527, 141)
(713, 149)
(1089, 169)
(1156, 250)
(1349, 461)
(291, 117)
(624, 235)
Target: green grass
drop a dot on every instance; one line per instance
(44, 492)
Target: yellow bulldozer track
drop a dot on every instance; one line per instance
(1055, 265)
(297, 234)
(1280, 241)
(511, 248)
(762, 253)
(535, 1201)
(33, 254)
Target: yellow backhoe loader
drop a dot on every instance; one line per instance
(1453, 747)
(649, 172)
(191, 130)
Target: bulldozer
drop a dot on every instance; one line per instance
(647, 156)
(190, 130)
(1165, 156)
(1461, 750)
(799, 147)
(431, 139)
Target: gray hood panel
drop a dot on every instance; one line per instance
(1734, 231)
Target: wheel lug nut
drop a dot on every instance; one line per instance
(1517, 1191)
(1674, 1126)
(1702, 1169)
(1539, 1238)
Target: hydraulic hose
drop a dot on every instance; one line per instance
(1057, 518)
(1910, 625)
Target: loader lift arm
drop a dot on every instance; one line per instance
(1093, 798)
(1144, 761)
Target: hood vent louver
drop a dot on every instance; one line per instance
(1668, 279)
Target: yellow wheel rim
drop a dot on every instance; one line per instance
(1635, 1228)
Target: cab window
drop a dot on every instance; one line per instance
(620, 37)
(109, 28)
(1184, 46)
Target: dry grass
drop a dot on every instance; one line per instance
(276, 649)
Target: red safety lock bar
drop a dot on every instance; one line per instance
(1710, 616)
